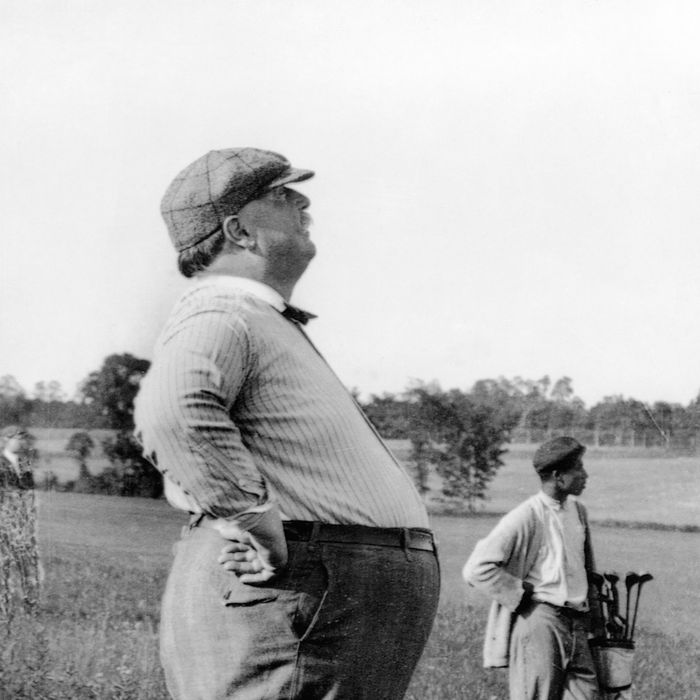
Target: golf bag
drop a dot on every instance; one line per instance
(613, 649)
(613, 660)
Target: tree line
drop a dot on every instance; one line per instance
(536, 410)
(105, 400)
(461, 434)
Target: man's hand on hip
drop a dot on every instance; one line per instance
(257, 550)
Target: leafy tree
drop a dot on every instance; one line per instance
(464, 435)
(676, 426)
(562, 391)
(10, 388)
(49, 391)
(662, 414)
(113, 388)
(131, 474)
(424, 419)
(548, 409)
(14, 404)
(389, 415)
(66, 414)
(49, 482)
(534, 416)
(502, 396)
(619, 421)
(80, 445)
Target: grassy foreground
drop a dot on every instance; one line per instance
(106, 560)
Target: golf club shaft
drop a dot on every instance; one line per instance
(642, 580)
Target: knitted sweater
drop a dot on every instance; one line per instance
(499, 564)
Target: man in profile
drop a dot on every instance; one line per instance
(308, 569)
(535, 565)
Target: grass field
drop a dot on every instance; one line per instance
(51, 444)
(625, 484)
(633, 485)
(106, 561)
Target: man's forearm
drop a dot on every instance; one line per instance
(485, 570)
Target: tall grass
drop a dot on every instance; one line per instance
(95, 638)
(19, 573)
(106, 560)
(664, 666)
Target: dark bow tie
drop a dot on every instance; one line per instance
(293, 313)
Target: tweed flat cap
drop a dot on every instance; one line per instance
(552, 452)
(218, 185)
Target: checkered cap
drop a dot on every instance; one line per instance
(218, 185)
(552, 452)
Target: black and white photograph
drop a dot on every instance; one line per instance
(350, 350)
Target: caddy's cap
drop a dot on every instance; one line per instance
(218, 185)
(552, 452)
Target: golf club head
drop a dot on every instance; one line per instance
(630, 579)
(642, 578)
(596, 579)
(612, 579)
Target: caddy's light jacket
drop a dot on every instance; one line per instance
(499, 564)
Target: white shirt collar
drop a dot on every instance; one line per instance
(552, 502)
(244, 284)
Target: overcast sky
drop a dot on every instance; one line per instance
(503, 188)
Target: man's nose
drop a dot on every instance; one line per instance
(301, 200)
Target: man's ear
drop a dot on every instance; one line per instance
(557, 474)
(236, 234)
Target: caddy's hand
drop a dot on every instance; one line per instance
(257, 550)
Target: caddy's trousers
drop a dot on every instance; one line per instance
(342, 622)
(550, 658)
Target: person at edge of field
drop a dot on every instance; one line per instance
(308, 569)
(19, 559)
(535, 565)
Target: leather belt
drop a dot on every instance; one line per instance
(571, 613)
(306, 531)
(403, 538)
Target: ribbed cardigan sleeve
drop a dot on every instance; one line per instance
(499, 562)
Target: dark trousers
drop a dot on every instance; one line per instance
(343, 622)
